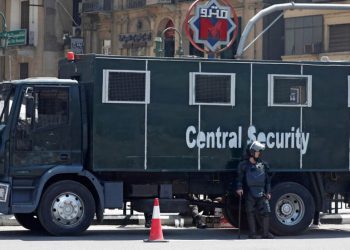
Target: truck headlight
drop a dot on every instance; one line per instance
(4, 189)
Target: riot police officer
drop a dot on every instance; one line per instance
(253, 178)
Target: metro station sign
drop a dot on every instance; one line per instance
(213, 24)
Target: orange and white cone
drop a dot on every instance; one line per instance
(224, 223)
(156, 234)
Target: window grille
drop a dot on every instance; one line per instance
(212, 89)
(289, 90)
(126, 86)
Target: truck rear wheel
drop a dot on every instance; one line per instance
(231, 211)
(292, 208)
(66, 208)
(29, 221)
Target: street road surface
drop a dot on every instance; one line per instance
(327, 237)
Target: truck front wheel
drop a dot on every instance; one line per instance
(66, 208)
(292, 208)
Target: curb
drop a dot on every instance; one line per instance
(8, 220)
(335, 219)
(169, 220)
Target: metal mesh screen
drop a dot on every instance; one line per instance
(213, 89)
(289, 90)
(127, 86)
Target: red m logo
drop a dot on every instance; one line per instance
(209, 31)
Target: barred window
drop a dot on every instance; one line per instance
(289, 90)
(212, 89)
(126, 86)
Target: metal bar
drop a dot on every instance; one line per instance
(68, 14)
(279, 7)
(239, 216)
(263, 32)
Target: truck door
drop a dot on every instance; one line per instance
(42, 133)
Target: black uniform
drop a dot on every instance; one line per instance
(255, 181)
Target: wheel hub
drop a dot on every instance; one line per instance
(67, 209)
(286, 209)
(290, 209)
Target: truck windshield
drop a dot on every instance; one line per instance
(6, 100)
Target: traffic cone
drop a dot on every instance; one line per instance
(156, 234)
(224, 223)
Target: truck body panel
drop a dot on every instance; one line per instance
(152, 136)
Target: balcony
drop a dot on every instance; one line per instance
(133, 4)
(152, 2)
(97, 6)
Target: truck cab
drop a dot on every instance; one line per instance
(40, 128)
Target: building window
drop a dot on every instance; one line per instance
(23, 70)
(107, 46)
(25, 17)
(339, 37)
(126, 86)
(290, 90)
(303, 35)
(212, 89)
(169, 40)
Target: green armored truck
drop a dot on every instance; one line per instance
(115, 129)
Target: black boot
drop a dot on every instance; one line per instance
(266, 233)
(148, 220)
(252, 227)
(199, 222)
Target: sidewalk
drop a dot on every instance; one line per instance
(115, 217)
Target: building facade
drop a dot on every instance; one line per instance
(136, 28)
(45, 23)
(132, 27)
(317, 35)
(309, 35)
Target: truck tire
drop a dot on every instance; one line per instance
(66, 208)
(29, 221)
(292, 209)
(231, 212)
